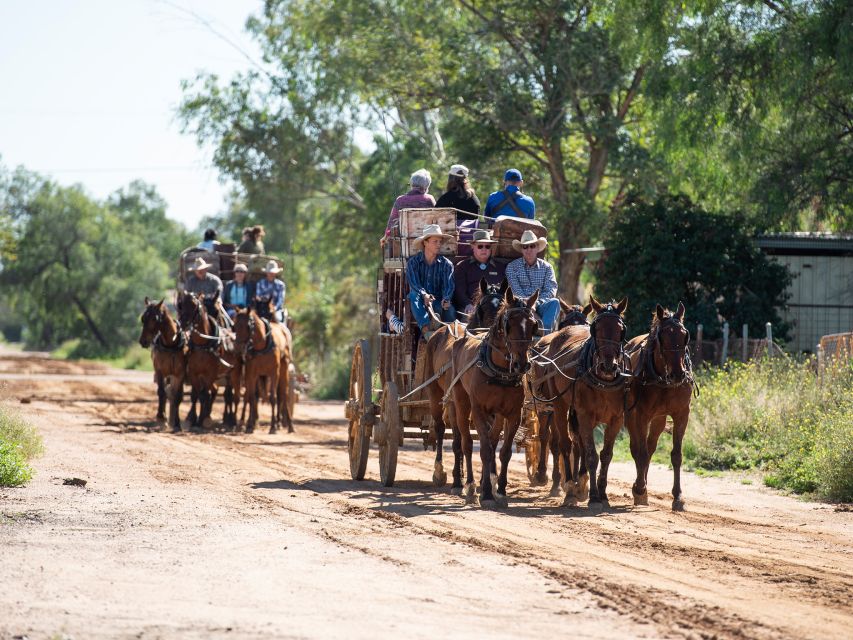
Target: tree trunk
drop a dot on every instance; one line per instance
(571, 265)
(90, 321)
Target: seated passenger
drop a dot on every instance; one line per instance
(273, 288)
(210, 285)
(430, 278)
(416, 198)
(209, 243)
(459, 194)
(252, 242)
(238, 292)
(528, 274)
(470, 271)
(510, 201)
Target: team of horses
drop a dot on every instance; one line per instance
(255, 355)
(585, 374)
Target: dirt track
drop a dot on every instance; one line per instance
(259, 536)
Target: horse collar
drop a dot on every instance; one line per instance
(267, 346)
(497, 375)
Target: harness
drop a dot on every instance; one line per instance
(249, 350)
(645, 371)
(509, 199)
(158, 344)
(500, 376)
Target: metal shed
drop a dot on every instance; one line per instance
(821, 300)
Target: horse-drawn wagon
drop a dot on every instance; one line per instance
(398, 408)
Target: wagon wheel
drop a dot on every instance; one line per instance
(357, 408)
(292, 393)
(391, 434)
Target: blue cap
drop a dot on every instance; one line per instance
(512, 174)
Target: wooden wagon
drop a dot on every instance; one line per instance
(388, 405)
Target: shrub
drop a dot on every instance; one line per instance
(19, 443)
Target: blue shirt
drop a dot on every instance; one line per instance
(435, 279)
(208, 245)
(523, 202)
(524, 280)
(275, 290)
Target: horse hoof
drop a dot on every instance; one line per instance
(641, 499)
(488, 504)
(439, 478)
(582, 489)
(455, 491)
(677, 504)
(290, 430)
(555, 491)
(207, 423)
(470, 494)
(186, 424)
(273, 430)
(595, 507)
(501, 501)
(539, 480)
(250, 429)
(569, 500)
(176, 428)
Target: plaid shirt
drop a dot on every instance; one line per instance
(524, 280)
(274, 290)
(435, 279)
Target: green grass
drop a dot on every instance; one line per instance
(19, 443)
(133, 357)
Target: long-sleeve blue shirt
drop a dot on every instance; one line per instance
(275, 290)
(524, 203)
(435, 279)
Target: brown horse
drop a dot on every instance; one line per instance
(572, 316)
(204, 362)
(588, 374)
(169, 356)
(492, 389)
(266, 351)
(438, 357)
(663, 386)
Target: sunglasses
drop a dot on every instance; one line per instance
(529, 246)
(482, 246)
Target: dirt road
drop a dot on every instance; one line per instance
(214, 535)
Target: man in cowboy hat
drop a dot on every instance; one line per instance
(528, 274)
(200, 281)
(430, 278)
(510, 201)
(272, 288)
(470, 271)
(238, 292)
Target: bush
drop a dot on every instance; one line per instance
(19, 443)
(776, 416)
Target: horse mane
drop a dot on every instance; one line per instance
(492, 289)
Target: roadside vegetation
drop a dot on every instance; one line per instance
(19, 443)
(775, 416)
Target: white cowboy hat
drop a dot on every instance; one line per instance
(241, 267)
(430, 231)
(272, 267)
(199, 264)
(528, 237)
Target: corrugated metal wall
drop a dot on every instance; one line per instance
(821, 299)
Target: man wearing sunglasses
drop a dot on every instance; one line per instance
(529, 273)
(470, 271)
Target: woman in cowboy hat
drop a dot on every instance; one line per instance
(430, 277)
(529, 273)
(273, 288)
(238, 292)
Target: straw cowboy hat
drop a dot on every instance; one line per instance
(199, 264)
(528, 237)
(430, 231)
(241, 267)
(272, 267)
(482, 236)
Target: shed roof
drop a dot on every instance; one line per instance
(806, 243)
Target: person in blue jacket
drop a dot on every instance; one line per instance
(238, 293)
(509, 201)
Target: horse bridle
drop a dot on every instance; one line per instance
(654, 341)
(570, 319)
(505, 376)
(589, 360)
(153, 313)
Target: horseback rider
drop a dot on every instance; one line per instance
(200, 281)
(530, 273)
(272, 288)
(510, 201)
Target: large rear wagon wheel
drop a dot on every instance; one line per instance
(392, 425)
(357, 407)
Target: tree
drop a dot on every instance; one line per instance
(753, 111)
(671, 250)
(78, 271)
(553, 85)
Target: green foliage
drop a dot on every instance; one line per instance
(81, 270)
(671, 250)
(19, 443)
(752, 110)
(774, 415)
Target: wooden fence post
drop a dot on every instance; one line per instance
(769, 328)
(744, 348)
(725, 343)
(820, 356)
(699, 347)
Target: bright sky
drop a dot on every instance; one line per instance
(88, 90)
